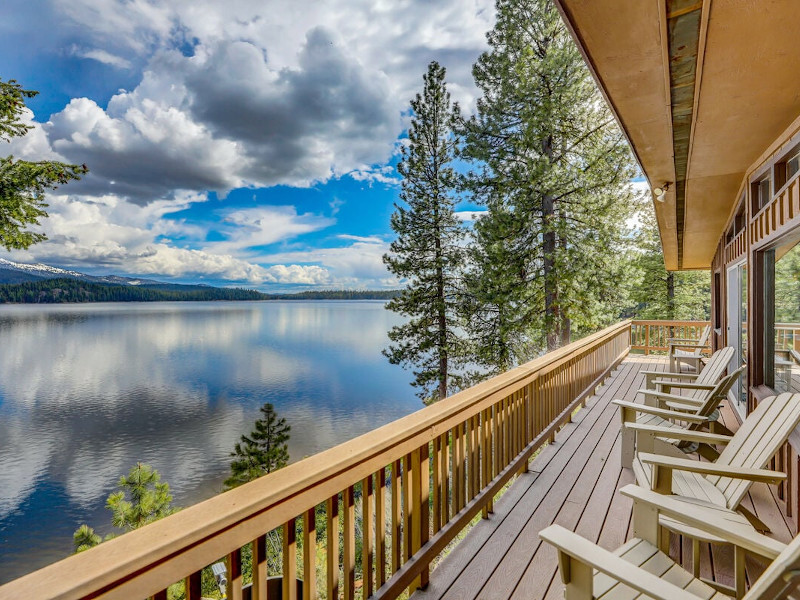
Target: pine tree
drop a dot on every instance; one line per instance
(23, 183)
(263, 452)
(660, 294)
(141, 499)
(85, 538)
(149, 501)
(553, 170)
(428, 253)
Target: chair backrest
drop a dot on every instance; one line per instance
(718, 394)
(714, 368)
(760, 436)
(780, 578)
(703, 339)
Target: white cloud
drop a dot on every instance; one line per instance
(103, 56)
(469, 215)
(265, 225)
(247, 94)
(234, 95)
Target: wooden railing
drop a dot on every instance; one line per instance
(652, 336)
(787, 336)
(421, 480)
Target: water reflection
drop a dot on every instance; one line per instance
(87, 390)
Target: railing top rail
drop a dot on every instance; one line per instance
(669, 323)
(191, 536)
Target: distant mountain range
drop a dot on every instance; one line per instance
(13, 272)
(40, 283)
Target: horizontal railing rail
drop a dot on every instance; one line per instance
(421, 479)
(652, 336)
(787, 336)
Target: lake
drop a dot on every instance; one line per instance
(88, 390)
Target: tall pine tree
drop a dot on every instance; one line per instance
(660, 294)
(428, 252)
(553, 170)
(23, 183)
(264, 451)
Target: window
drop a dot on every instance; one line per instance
(787, 168)
(737, 225)
(762, 194)
(792, 166)
(782, 317)
(717, 301)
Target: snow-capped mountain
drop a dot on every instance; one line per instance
(14, 272)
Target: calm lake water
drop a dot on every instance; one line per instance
(86, 391)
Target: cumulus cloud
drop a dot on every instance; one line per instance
(230, 98)
(232, 95)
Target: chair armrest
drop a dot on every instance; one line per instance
(707, 519)
(686, 385)
(659, 412)
(687, 340)
(671, 374)
(667, 396)
(668, 463)
(650, 376)
(582, 550)
(688, 345)
(675, 405)
(687, 435)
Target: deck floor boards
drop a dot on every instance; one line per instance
(572, 482)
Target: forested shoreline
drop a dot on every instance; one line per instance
(64, 290)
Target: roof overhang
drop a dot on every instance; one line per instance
(701, 88)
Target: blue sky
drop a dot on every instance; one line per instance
(241, 143)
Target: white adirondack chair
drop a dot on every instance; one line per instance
(697, 409)
(641, 568)
(662, 381)
(689, 351)
(726, 481)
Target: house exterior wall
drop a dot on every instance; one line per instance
(761, 226)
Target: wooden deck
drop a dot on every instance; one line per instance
(573, 482)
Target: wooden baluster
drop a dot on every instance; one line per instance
(367, 556)
(437, 484)
(260, 568)
(469, 446)
(332, 526)
(497, 450)
(458, 470)
(193, 586)
(407, 504)
(349, 554)
(290, 560)
(445, 478)
(476, 458)
(506, 432)
(310, 554)
(397, 519)
(380, 529)
(233, 588)
(486, 456)
(418, 515)
(162, 595)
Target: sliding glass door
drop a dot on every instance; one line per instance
(737, 331)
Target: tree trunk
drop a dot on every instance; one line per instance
(442, 317)
(551, 309)
(670, 295)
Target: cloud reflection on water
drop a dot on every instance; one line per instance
(88, 390)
